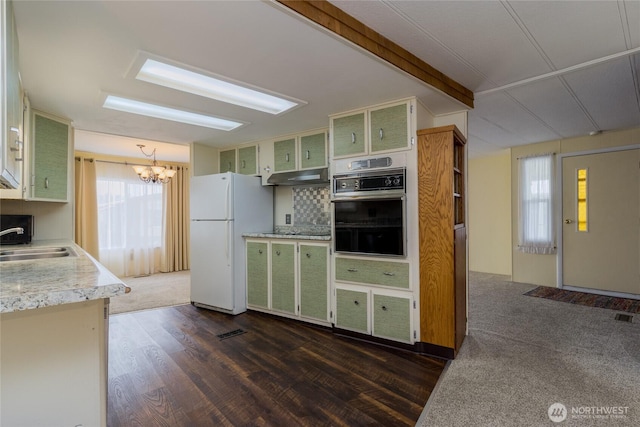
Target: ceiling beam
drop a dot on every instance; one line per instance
(337, 21)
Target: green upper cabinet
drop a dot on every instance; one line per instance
(389, 128)
(314, 281)
(285, 155)
(228, 161)
(313, 151)
(258, 274)
(247, 160)
(349, 135)
(283, 277)
(377, 129)
(50, 158)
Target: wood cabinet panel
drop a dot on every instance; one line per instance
(352, 310)
(392, 317)
(313, 151)
(285, 155)
(389, 128)
(228, 161)
(442, 238)
(313, 281)
(50, 158)
(283, 279)
(349, 135)
(247, 160)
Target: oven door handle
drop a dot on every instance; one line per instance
(396, 196)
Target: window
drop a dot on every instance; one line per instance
(129, 220)
(536, 228)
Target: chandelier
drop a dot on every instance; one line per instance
(153, 173)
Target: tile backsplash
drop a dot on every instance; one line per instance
(311, 206)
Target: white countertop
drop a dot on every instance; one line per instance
(31, 284)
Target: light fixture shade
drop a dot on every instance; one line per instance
(159, 112)
(166, 75)
(157, 169)
(170, 173)
(139, 169)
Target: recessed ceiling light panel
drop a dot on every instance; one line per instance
(151, 110)
(174, 77)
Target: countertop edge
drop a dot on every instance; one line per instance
(323, 238)
(64, 289)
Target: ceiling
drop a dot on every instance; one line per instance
(540, 70)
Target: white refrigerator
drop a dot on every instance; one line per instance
(223, 207)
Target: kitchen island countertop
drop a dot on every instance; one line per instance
(32, 284)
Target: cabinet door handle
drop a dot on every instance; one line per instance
(228, 170)
(286, 157)
(46, 183)
(244, 164)
(260, 251)
(308, 255)
(388, 273)
(381, 133)
(352, 270)
(356, 302)
(384, 308)
(308, 155)
(278, 253)
(353, 137)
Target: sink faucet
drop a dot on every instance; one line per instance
(18, 230)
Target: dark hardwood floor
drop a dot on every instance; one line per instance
(167, 367)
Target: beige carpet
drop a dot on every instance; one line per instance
(156, 290)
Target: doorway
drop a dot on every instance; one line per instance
(600, 229)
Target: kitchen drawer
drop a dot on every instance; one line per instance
(384, 273)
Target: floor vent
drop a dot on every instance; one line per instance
(231, 334)
(624, 317)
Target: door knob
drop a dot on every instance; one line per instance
(568, 221)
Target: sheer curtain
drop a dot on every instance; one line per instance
(536, 184)
(129, 219)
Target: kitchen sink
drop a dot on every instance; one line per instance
(21, 254)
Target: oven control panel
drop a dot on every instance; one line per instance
(390, 179)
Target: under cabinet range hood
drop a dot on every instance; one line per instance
(310, 176)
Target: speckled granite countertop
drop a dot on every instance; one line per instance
(30, 284)
(297, 236)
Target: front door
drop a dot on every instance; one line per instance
(601, 221)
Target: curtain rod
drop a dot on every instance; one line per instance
(113, 162)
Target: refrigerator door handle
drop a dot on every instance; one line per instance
(226, 242)
(228, 199)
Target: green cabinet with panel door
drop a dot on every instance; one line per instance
(284, 152)
(313, 150)
(247, 160)
(228, 160)
(349, 135)
(352, 311)
(50, 148)
(314, 275)
(391, 317)
(389, 128)
(258, 274)
(283, 277)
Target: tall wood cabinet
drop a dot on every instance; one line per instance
(442, 234)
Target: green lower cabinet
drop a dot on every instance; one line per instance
(257, 274)
(351, 310)
(313, 281)
(392, 317)
(283, 280)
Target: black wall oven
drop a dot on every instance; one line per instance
(369, 213)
